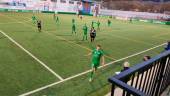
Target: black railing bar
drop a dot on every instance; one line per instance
(126, 87)
(138, 67)
(150, 80)
(155, 75)
(147, 81)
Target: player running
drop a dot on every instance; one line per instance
(85, 29)
(34, 20)
(97, 55)
(92, 34)
(73, 28)
(109, 23)
(39, 25)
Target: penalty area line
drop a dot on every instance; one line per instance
(85, 72)
(30, 54)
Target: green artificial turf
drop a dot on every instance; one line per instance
(65, 53)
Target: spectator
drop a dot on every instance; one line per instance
(167, 46)
(146, 58)
(125, 66)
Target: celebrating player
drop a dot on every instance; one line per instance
(85, 29)
(97, 54)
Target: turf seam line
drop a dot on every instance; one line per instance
(85, 72)
(30, 54)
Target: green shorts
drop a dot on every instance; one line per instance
(95, 65)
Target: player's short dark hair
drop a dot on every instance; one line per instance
(99, 45)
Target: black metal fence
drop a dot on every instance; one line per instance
(149, 78)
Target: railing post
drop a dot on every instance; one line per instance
(112, 90)
(160, 75)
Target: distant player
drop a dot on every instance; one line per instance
(98, 25)
(73, 28)
(39, 25)
(81, 17)
(73, 21)
(56, 18)
(97, 55)
(85, 30)
(92, 34)
(109, 23)
(92, 24)
(34, 20)
(130, 20)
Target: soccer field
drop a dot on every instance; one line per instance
(53, 62)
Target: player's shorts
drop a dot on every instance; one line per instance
(93, 65)
(92, 35)
(39, 27)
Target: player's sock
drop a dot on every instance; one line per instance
(91, 76)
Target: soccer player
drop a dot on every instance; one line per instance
(98, 25)
(92, 34)
(97, 55)
(92, 24)
(130, 19)
(73, 21)
(34, 20)
(85, 29)
(73, 28)
(109, 23)
(39, 25)
(56, 18)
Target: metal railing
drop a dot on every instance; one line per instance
(149, 78)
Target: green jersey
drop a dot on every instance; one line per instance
(74, 27)
(96, 56)
(92, 23)
(33, 18)
(73, 20)
(85, 29)
(98, 24)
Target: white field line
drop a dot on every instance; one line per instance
(30, 54)
(10, 23)
(80, 74)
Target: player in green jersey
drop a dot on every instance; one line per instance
(98, 25)
(130, 19)
(109, 23)
(92, 24)
(85, 29)
(73, 28)
(34, 20)
(97, 55)
(56, 18)
(73, 21)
